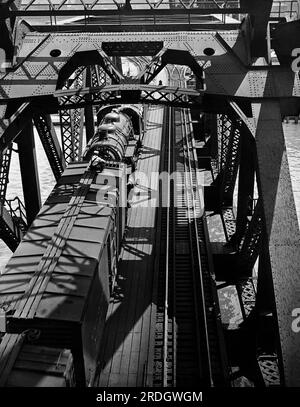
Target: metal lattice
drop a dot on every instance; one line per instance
(247, 296)
(231, 166)
(4, 171)
(11, 225)
(99, 77)
(71, 122)
(252, 241)
(225, 168)
(50, 143)
(153, 68)
(131, 93)
(229, 222)
(229, 149)
(269, 369)
(10, 229)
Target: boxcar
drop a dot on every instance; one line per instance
(55, 289)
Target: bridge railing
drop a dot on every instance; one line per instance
(119, 4)
(18, 214)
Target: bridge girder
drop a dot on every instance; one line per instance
(174, 57)
(38, 73)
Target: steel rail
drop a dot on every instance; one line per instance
(193, 233)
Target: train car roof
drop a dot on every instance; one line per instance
(63, 296)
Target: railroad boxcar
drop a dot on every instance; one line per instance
(58, 281)
(35, 365)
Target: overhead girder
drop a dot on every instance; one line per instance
(134, 49)
(86, 58)
(83, 8)
(131, 93)
(175, 57)
(240, 81)
(112, 94)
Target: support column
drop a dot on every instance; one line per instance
(282, 231)
(88, 110)
(214, 137)
(46, 130)
(29, 172)
(246, 182)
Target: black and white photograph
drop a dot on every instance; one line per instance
(149, 201)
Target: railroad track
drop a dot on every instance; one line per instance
(187, 346)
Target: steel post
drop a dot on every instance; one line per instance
(29, 172)
(246, 182)
(89, 110)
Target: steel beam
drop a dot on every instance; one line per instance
(45, 128)
(242, 81)
(4, 171)
(96, 9)
(131, 93)
(131, 26)
(251, 246)
(111, 94)
(89, 109)
(282, 230)
(8, 230)
(29, 172)
(13, 126)
(72, 122)
(174, 57)
(7, 23)
(228, 135)
(246, 182)
(230, 167)
(154, 13)
(86, 58)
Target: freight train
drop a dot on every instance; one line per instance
(55, 289)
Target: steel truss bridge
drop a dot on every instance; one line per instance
(67, 62)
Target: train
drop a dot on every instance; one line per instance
(55, 289)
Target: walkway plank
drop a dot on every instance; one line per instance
(128, 322)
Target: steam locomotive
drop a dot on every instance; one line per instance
(55, 289)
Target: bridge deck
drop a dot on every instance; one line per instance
(126, 336)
